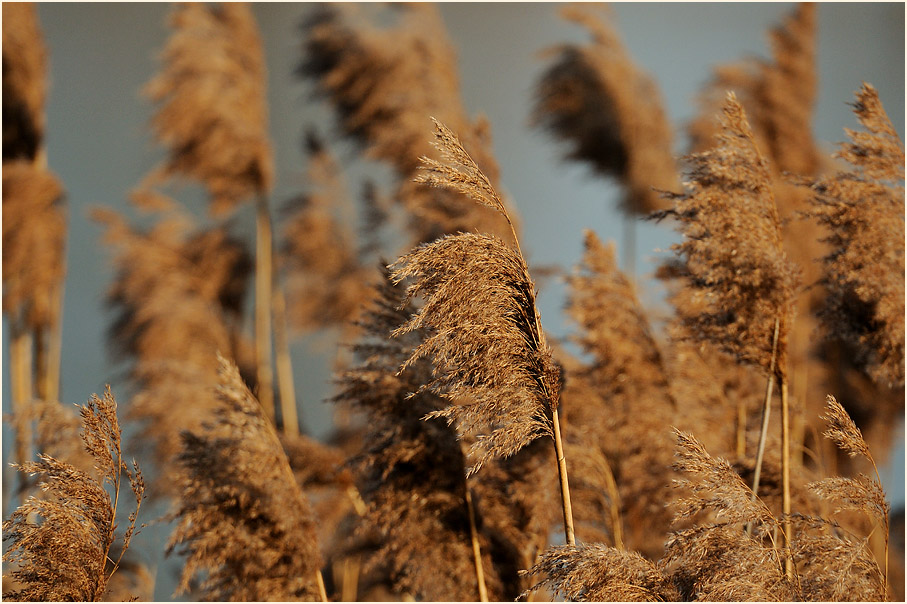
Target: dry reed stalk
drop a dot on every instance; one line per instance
(243, 522)
(484, 331)
(622, 390)
(863, 213)
(67, 555)
(597, 99)
(383, 82)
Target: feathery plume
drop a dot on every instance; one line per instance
(779, 96)
(383, 83)
(596, 573)
(34, 238)
(211, 111)
(483, 330)
(863, 211)
(739, 280)
(243, 523)
(611, 112)
(61, 543)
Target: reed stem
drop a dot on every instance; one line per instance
(263, 272)
(785, 478)
(55, 346)
(614, 507)
(322, 592)
(766, 410)
(476, 549)
(562, 475)
(284, 364)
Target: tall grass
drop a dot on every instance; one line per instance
(438, 481)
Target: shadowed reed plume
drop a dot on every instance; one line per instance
(484, 332)
(244, 525)
(610, 111)
(61, 542)
(212, 116)
(24, 83)
(626, 392)
(382, 83)
(863, 212)
(410, 471)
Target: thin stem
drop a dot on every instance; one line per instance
(785, 478)
(284, 365)
(55, 346)
(766, 410)
(887, 528)
(21, 381)
(319, 580)
(476, 550)
(562, 475)
(263, 270)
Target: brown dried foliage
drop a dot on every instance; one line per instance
(24, 83)
(61, 542)
(611, 112)
(326, 282)
(624, 391)
(863, 212)
(383, 84)
(737, 276)
(34, 241)
(244, 525)
(178, 296)
(211, 110)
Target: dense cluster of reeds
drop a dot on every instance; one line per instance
(473, 456)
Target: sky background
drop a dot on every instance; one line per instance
(99, 145)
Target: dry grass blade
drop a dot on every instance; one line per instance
(863, 211)
(243, 522)
(610, 111)
(595, 573)
(66, 555)
(211, 111)
(24, 83)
